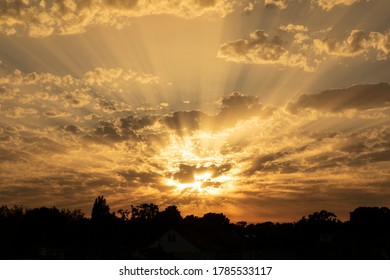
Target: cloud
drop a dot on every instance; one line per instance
(141, 177)
(305, 50)
(102, 90)
(293, 28)
(275, 4)
(318, 158)
(20, 112)
(381, 156)
(187, 173)
(137, 122)
(381, 43)
(354, 150)
(354, 45)
(246, 153)
(41, 18)
(327, 5)
(237, 106)
(108, 133)
(248, 8)
(129, 128)
(9, 155)
(275, 162)
(56, 114)
(357, 43)
(358, 97)
(74, 129)
(260, 48)
(187, 121)
(111, 106)
(234, 108)
(112, 76)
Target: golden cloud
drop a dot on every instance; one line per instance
(306, 51)
(41, 18)
(260, 48)
(327, 5)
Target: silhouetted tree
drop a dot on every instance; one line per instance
(323, 217)
(44, 217)
(215, 219)
(242, 224)
(320, 218)
(72, 215)
(44, 225)
(144, 212)
(124, 214)
(191, 219)
(13, 214)
(100, 210)
(370, 217)
(170, 216)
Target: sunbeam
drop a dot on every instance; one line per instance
(265, 110)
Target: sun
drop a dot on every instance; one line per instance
(193, 164)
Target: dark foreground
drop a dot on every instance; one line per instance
(146, 233)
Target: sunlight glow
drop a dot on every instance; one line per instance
(202, 177)
(199, 184)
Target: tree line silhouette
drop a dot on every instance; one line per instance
(51, 233)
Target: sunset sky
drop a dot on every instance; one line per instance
(265, 110)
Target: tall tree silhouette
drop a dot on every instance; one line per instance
(100, 210)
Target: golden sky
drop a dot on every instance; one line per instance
(260, 109)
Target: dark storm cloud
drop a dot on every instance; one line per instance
(359, 97)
